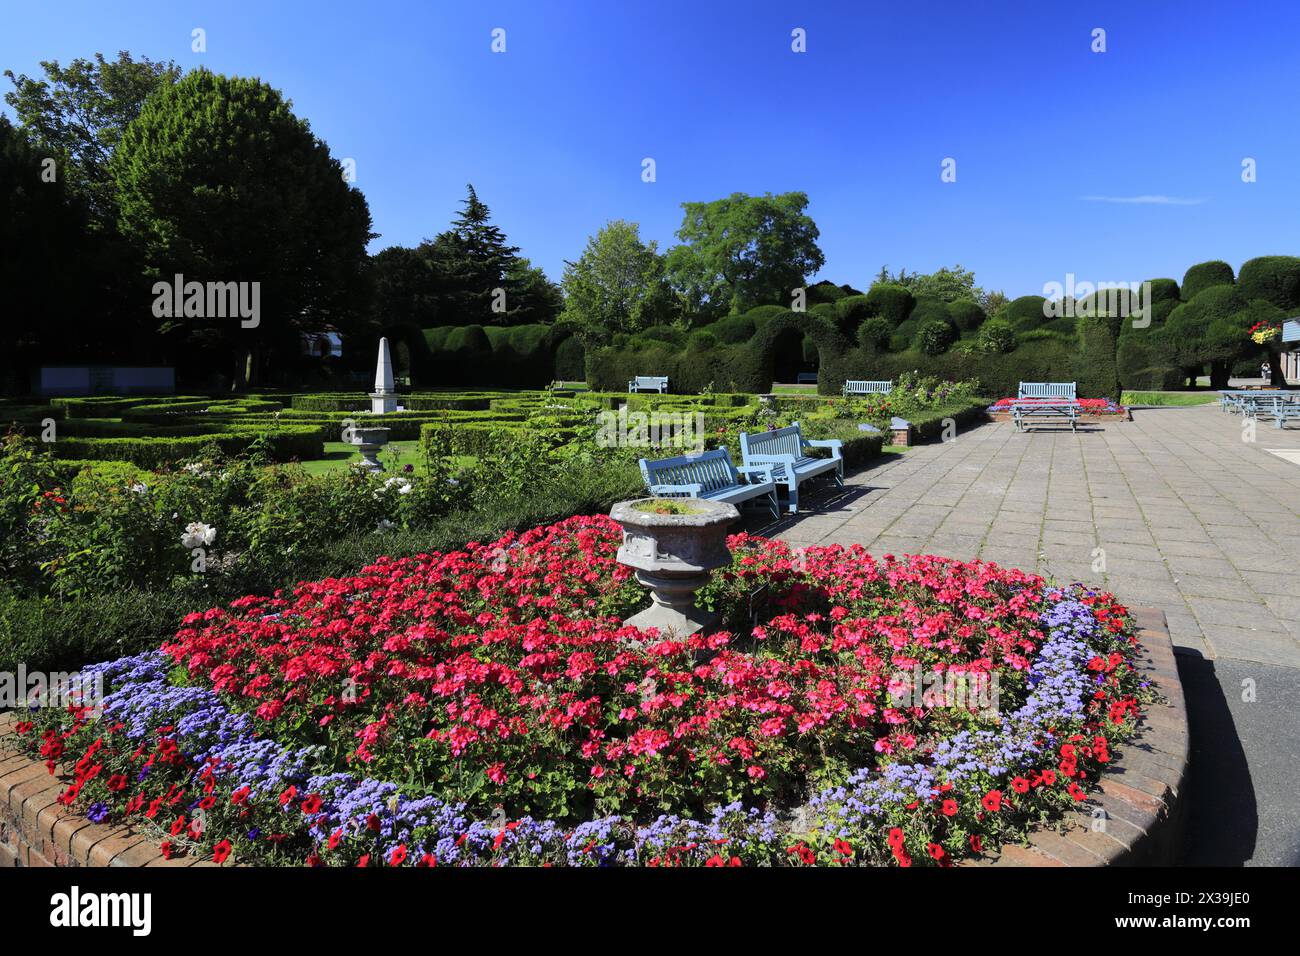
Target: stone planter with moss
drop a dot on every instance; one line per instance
(673, 544)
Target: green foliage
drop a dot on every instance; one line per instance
(1205, 275)
(743, 251)
(997, 335)
(1093, 367)
(1210, 328)
(764, 313)
(874, 333)
(702, 340)
(1275, 279)
(570, 360)
(930, 310)
(78, 113)
(892, 302)
(1025, 312)
(934, 336)
(1164, 290)
(616, 285)
(946, 285)
(966, 314)
(903, 336)
(734, 329)
(218, 180)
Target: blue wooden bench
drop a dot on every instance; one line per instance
(1047, 390)
(710, 475)
(1040, 411)
(649, 383)
(786, 451)
(859, 387)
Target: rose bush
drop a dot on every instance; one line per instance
(485, 706)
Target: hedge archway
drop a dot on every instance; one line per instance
(766, 342)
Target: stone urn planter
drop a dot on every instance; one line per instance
(368, 442)
(673, 544)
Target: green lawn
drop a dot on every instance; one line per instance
(794, 390)
(395, 456)
(1168, 398)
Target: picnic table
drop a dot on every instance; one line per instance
(1026, 412)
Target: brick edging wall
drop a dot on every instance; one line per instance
(1139, 816)
(36, 830)
(1139, 820)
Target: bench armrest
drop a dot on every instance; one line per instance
(834, 444)
(763, 471)
(690, 491)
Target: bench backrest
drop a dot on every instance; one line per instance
(712, 469)
(779, 441)
(651, 381)
(1047, 390)
(861, 387)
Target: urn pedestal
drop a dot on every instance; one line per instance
(368, 442)
(673, 544)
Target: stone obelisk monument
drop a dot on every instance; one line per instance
(369, 438)
(384, 397)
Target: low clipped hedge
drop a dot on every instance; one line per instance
(303, 442)
(112, 406)
(154, 411)
(345, 402)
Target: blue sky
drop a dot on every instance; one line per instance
(552, 133)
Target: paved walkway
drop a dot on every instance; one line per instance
(1191, 520)
(1172, 510)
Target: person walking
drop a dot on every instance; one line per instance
(1266, 372)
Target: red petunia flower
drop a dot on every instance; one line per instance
(992, 801)
(221, 852)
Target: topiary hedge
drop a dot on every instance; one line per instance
(1094, 370)
(892, 302)
(1203, 275)
(1276, 279)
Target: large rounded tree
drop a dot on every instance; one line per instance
(217, 180)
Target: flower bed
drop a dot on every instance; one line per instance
(485, 707)
(1088, 406)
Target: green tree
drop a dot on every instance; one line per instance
(50, 304)
(946, 285)
(616, 285)
(473, 262)
(80, 111)
(743, 251)
(218, 180)
(539, 300)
